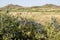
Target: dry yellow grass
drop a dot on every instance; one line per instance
(37, 16)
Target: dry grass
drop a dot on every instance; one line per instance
(42, 17)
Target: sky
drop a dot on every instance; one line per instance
(28, 3)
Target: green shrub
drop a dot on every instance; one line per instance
(12, 28)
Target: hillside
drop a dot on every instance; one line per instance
(46, 7)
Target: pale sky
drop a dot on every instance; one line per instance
(28, 3)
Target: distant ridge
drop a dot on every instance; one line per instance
(12, 6)
(46, 7)
(18, 6)
(50, 5)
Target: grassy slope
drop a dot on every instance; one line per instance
(42, 17)
(39, 13)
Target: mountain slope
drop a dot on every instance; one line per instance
(12, 7)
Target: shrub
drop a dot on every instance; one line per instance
(13, 28)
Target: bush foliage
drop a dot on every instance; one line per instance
(12, 28)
